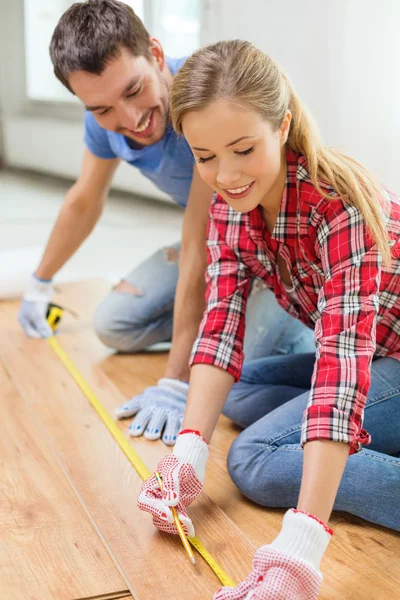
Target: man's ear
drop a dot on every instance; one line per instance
(157, 53)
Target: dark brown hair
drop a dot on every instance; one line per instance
(92, 33)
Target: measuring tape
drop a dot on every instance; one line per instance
(54, 315)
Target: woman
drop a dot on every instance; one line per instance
(314, 226)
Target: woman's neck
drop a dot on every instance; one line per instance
(271, 203)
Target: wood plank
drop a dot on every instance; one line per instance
(48, 547)
(109, 486)
(360, 554)
(348, 566)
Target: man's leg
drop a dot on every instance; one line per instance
(138, 311)
(270, 330)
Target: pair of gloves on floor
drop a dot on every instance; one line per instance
(286, 569)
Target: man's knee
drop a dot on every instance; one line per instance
(126, 288)
(116, 319)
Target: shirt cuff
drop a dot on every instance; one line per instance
(208, 351)
(329, 423)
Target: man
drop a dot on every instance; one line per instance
(103, 54)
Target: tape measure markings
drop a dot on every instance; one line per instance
(128, 450)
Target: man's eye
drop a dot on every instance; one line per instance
(103, 112)
(134, 93)
(204, 160)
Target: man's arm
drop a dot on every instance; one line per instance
(190, 293)
(80, 212)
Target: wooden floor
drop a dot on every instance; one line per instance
(69, 524)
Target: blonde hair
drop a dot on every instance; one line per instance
(237, 70)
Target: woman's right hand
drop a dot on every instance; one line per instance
(182, 473)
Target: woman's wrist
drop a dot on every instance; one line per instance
(303, 537)
(191, 448)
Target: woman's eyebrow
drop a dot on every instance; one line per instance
(244, 137)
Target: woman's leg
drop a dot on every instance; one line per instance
(267, 383)
(265, 461)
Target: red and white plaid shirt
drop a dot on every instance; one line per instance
(343, 292)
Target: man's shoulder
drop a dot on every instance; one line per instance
(175, 64)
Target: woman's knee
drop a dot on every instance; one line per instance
(244, 460)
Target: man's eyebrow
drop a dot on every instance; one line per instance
(244, 137)
(134, 81)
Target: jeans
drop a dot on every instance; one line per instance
(133, 323)
(265, 461)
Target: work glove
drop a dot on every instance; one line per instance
(287, 569)
(34, 306)
(182, 473)
(159, 410)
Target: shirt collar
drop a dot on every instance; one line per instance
(285, 230)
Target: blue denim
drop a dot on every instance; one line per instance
(131, 323)
(265, 461)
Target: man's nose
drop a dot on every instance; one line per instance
(129, 117)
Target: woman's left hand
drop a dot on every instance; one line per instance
(287, 569)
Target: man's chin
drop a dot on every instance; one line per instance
(149, 140)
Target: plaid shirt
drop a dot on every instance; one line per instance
(343, 292)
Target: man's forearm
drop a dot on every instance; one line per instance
(323, 466)
(188, 311)
(72, 227)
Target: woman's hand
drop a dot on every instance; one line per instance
(287, 569)
(182, 474)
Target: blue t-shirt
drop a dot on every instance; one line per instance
(168, 164)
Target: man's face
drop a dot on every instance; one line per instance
(130, 96)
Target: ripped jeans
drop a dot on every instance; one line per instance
(129, 322)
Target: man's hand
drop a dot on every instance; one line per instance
(287, 569)
(34, 306)
(182, 474)
(159, 411)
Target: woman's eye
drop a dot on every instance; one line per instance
(245, 152)
(204, 160)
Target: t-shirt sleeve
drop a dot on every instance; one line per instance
(96, 138)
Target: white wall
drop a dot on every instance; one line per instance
(343, 57)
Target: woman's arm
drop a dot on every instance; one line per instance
(208, 390)
(323, 466)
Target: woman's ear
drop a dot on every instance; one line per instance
(285, 127)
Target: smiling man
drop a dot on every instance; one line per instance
(103, 54)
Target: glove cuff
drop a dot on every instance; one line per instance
(174, 385)
(303, 537)
(38, 290)
(192, 449)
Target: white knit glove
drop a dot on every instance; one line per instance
(289, 568)
(34, 306)
(182, 474)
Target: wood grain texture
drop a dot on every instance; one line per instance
(48, 547)
(360, 556)
(108, 484)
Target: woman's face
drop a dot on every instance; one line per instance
(238, 153)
